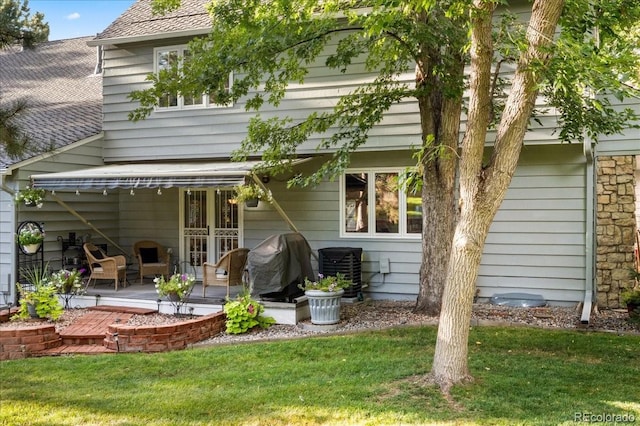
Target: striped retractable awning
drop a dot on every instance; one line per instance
(148, 175)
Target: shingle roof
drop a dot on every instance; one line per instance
(63, 95)
(138, 20)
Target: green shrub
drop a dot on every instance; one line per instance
(44, 299)
(41, 294)
(244, 313)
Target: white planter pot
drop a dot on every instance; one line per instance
(31, 248)
(324, 306)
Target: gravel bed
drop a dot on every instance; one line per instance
(371, 315)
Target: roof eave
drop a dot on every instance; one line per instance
(8, 170)
(148, 37)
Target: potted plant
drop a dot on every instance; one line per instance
(38, 298)
(31, 196)
(632, 296)
(244, 313)
(324, 297)
(176, 288)
(68, 283)
(250, 194)
(30, 239)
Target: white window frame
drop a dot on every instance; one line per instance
(371, 233)
(206, 103)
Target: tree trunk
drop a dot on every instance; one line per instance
(438, 217)
(482, 187)
(440, 121)
(450, 359)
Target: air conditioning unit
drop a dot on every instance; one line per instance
(344, 260)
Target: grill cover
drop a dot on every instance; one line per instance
(279, 264)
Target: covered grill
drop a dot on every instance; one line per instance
(277, 265)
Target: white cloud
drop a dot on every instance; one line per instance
(74, 15)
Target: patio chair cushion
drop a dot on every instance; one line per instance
(100, 269)
(97, 254)
(149, 254)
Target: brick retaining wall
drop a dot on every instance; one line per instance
(20, 343)
(164, 338)
(24, 342)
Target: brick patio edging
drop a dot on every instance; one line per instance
(21, 343)
(149, 338)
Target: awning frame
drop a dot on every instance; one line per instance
(148, 175)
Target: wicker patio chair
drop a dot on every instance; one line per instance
(228, 271)
(153, 258)
(105, 267)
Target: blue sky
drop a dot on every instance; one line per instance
(78, 18)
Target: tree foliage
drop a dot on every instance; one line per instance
(13, 140)
(578, 54)
(269, 45)
(17, 25)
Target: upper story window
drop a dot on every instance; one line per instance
(166, 57)
(372, 204)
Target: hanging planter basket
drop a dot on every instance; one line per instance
(31, 248)
(251, 202)
(31, 197)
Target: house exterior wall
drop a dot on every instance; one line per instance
(99, 210)
(216, 132)
(536, 243)
(147, 215)
(200, 133)
(7, 246)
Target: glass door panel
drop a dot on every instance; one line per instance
(210, 226)
(226, 223)
(195, 229)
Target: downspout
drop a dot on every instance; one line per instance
(587, 305)
(86, 222)
(587, 149)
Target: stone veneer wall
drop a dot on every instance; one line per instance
(615, 226)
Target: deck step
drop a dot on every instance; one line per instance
(123, 309)
(82, 340)
(75, 350)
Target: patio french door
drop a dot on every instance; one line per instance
(211, 226)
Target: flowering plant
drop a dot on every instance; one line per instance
(244, 313)
(179, 284)
(30, 236)
(31, 196)
(328, 283)
(251, 191)
(68, 281)
(39, 293)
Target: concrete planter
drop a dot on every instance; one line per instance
(324, 306)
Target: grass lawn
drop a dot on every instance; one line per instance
(523, 376)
